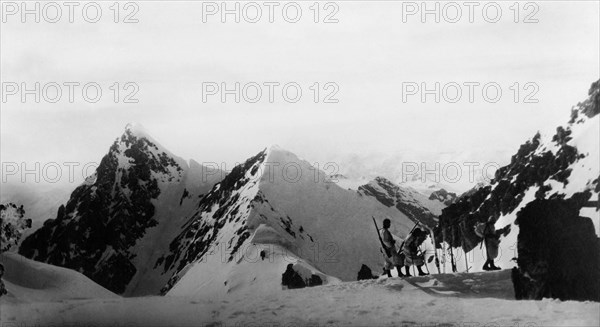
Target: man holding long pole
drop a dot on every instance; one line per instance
(390, 253)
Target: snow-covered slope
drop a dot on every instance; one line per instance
(563, 167)
(427, 186)
(479, 299)
(345, 182)
(117, 223)
(277, 202)
(30, 281)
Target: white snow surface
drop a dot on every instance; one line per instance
(249, 274)
(474, 299)
(338, 220)
(31, 281)
(427, 187)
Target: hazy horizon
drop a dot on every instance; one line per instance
(368, 54)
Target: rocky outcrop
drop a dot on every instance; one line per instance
(559, 253)
(542, 191)
(365, 273)
(536, 164)
(406, 200)
(292, 279)
(443, 196)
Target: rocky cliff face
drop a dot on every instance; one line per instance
(559, 253)
(559, 171)
(443, 196)
(544, 164)
(413, 204)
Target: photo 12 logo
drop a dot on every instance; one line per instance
(55, 92)
(454, 92)
(70, 12)
(49, 172)
(270, 12)
(470, 12)
(449, 172)
(269, 92)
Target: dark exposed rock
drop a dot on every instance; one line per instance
(12, 225)
(534, 165)
(402, 199)
(199, 235)
(558, 252)
(443, 196)
(184, 195)
(3, 290)
(291, 278)
(365, 273)
(103, 220)
(527, 169)
(314, 280)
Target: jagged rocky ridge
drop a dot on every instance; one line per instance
(202, 229)
(414, 205)
(534, 165)
(443, 196)
(561, 172)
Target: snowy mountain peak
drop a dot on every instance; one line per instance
(136, 129)
(274, 151)
(275, 147)
(117, 222)
(279, 203)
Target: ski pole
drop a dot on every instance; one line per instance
(437, 262)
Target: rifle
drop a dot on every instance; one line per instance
(412, 230)
(387, 251)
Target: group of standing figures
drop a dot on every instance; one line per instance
(409, 252)
(406, 255)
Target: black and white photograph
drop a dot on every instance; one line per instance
(302, 163)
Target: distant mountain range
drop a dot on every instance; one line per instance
(149, 222)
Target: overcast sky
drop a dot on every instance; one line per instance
(369, 53)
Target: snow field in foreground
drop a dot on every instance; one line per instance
(475, 299)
